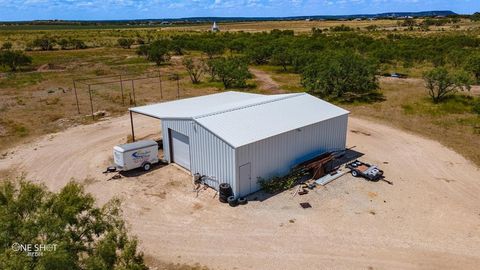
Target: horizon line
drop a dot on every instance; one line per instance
(242, 17)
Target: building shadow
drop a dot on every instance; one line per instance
(139, 171)
(341, 158)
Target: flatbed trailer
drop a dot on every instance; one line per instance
(365, 170)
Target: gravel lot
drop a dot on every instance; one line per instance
(429, 218)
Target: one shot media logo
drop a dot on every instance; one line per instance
(34, 250)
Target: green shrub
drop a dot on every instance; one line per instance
(14, 59)
(476, 106)
(233, 71)
(340, 74)
(44, 43)
(125, 43)
(277, 184)
(79, 234)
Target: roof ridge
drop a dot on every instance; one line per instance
(250, 105)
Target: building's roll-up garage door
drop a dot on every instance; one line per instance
(180, 149)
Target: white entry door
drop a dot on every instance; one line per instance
(180, 149)
(245, 177)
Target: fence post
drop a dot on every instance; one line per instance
(91, 100)
(131, 123)
(160, 83)
(76, 96)
(178, 85)
(133, 91)
(121, 89)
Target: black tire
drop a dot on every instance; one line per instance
(223, 198)
(225, 190)
(232, 201)
(242, 200)
(147, 166)
(354, 173)
(225, 186)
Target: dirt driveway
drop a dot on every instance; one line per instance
(429, 218)
(266, 82)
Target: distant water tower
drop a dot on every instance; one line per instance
(215, 27)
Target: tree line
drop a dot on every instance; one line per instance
(338, 64)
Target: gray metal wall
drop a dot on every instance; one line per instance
(209, 155)
(275, 156)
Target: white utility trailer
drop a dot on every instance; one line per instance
(141, 154)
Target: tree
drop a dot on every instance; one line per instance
(212, 47)
(259, 53)
(6, 46)
(78, 44)
(177, 44)
(125, 43)
(44, 43)
(233, 72)
(408, 22)
(441, 84)
(194, 69)
(237, 45)
(14, 59)
(282, 55)
(475, 17)
(157, 52)
(473, 66)
(66, 44)
(337, 74)
(74, 232)
(341, 28)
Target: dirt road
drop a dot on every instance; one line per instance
(429, 218)
(266, 82)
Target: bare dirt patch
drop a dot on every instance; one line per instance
(419, 222)
(266, 82)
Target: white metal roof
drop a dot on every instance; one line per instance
(192, 107)
(258, 122)
(241, 118)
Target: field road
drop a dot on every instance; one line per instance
(266, 82)
(429, 218)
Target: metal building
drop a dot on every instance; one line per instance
(236, 137)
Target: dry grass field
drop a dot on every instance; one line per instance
(42, 100)
(106, 36)
(304, 26)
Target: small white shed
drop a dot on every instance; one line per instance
(236, 137)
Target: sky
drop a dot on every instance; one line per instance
(17, 10)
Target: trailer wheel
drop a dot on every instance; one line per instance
(147, 166)
(354, 173)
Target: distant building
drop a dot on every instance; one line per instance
(215, 27)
